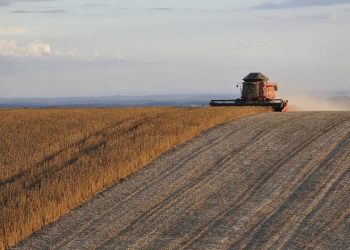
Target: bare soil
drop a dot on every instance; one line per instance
(274, 180)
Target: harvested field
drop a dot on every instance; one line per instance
(274, 180)
(52, 160)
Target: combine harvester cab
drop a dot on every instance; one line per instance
(256, 91)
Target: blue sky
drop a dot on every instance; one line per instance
(102, 48)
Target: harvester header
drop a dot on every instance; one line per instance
(255, 91)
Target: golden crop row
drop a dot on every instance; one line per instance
(52, 160)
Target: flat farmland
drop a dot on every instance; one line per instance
(268, 181)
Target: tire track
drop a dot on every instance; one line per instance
(336, 176)
(339, 233)
(283, 224)
(253, 190)
(275, 216)
(332, 220)
(169, 200)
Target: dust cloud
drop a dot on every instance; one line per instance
(304, 102)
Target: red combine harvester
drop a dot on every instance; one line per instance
(256, 91)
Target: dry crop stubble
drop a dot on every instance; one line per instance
(52, 160)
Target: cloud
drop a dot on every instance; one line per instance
(57, 53)
(80, 57)
(4, 3)
(26, 1)
(38, 49)
(118, 56)
(8, 2)
(315, 17)
(300, 4)
(77, 55)
(94, 5)
(33, 49)
(161, 9)
(39, 11)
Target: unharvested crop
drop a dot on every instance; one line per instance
(52, 160)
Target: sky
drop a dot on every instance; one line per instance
(61, 48)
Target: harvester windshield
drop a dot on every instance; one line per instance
(250, 90)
